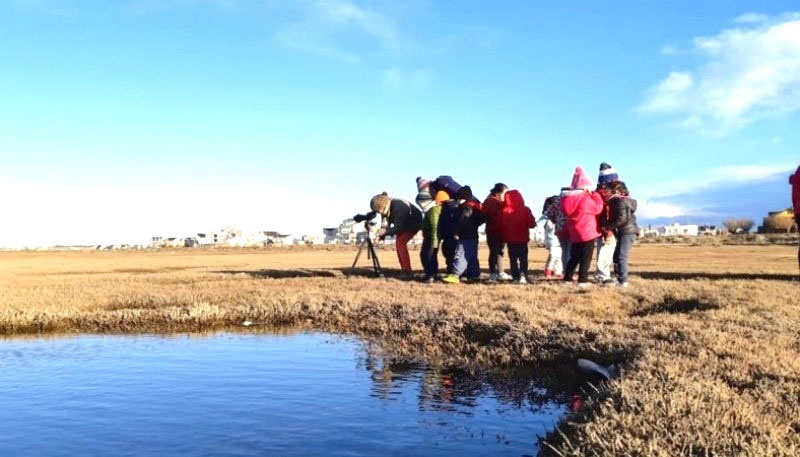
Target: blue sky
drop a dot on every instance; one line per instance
(127, 119)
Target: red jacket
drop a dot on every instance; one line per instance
(581, 210)
(516, 219)
(794, 180)
(492, 207)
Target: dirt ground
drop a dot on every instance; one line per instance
(707, 336)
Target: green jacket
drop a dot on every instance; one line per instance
(430, 225)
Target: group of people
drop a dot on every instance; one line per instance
(576, 222)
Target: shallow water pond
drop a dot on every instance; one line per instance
(256, 394)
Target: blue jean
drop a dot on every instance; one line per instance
(429, 256)
(518, 254)
(566, 250)
(449, 252)
(621, 255)
(466, 259)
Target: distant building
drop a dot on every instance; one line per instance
(709, 230)
(778, 222)
(330, 235)
(677, 229)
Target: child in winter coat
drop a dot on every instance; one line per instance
(607, 243)
(424, 198)
(622, 220)
(559, 220)
(492, 208)
(553, 266)
(429, 254)
(470, 217)
(581, 208)
(517, 219)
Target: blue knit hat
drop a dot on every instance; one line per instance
(607, 174)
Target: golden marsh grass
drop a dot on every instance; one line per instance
(708, 336)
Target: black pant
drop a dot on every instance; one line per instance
(429, 256)
(518, 254)
(495, 253)
(580, 255)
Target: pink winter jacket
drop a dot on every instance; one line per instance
(581, 210)
(794, 180)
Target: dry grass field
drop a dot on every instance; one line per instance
(708, 337)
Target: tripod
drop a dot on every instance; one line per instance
(376, 264)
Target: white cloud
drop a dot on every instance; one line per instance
(648, 209)
(397, 79)
(687, 197)
(750, 73)
(670, 50)
(325, 24)
(751, 18)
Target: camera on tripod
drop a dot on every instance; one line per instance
(366, 217)
(369, 223)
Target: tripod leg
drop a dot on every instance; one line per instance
(358, 254)
(376, 264)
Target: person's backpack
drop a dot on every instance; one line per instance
(447, 184)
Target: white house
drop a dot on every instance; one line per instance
(677, 229)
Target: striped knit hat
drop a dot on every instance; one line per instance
(607, 174)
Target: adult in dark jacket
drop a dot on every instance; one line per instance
(492, 209)
(402, 220)
(622, 221)
(470, 219)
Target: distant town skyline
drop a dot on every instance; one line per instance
(130, 119)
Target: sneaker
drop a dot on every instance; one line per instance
(428, 280)
(548, 274)
(505, 276)
(585, 285)
(494, 277)
(522, 280)
(450, 279)
(622, 285)
(609, 282)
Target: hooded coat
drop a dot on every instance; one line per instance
(516, 218)
(794, 180)
(581, 210)
(622, 217)
(492, 207)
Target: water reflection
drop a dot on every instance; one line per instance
(455, 390)
(258, 394)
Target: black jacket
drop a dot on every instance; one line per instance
(403, 217)
(469, 221)
(622, 217)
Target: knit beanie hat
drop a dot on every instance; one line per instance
(380, 203)
(465, 193)
(607, 174)
(580, 180)
(423, 183)
(441, 197)
(424, 200)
